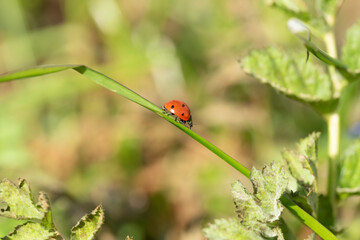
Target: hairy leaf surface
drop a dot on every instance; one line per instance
(269, 184)
(17, 201)
(351, 48)
(229, 229)
(260, 211)
(32, 230)
(349, 179)
(291, 75)
(302, 164)
(89, 225)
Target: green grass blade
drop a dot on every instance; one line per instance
(115, 86)
(231, 161)
(36, 71)
(307, 219)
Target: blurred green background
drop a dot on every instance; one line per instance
(84, 145)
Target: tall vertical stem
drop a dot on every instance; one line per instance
(330, 44)
(333, 122)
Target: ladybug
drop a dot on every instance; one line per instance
(180, 110)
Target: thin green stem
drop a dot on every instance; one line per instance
(231, 161)
(333, 121)
(329, 39)
(307, 219)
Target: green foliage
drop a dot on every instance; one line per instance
(351, 48)
(302, 162)
(89, 225)
(322, 90)
(349, 72)
(16, 202)
(269, 185)
(349, 179)
(291, 75)
(302, 165)
(259, 212)
(300, 79)
(32, 230)
(226, 229)
(325, 213)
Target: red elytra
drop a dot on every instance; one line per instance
(180, 110)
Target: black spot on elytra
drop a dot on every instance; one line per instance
(172, 106)
(183, 105)
(182, 114)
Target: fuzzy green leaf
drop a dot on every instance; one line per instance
(302, 162)
(89, 225)
(302, 165)
(349, 179)
(247, 209)
(299, 167)
(259, 211)
(292, 76)
(350, 50)
(269, 185)
(229, 229)
(32, 231)
(17, 201)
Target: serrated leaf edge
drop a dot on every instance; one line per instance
(97, 211)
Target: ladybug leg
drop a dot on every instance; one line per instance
(190, 123)
(166, 111)
(182, 122)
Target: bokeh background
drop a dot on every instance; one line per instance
(84, 145)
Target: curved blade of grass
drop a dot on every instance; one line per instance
(306, 218)
(115, 86)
